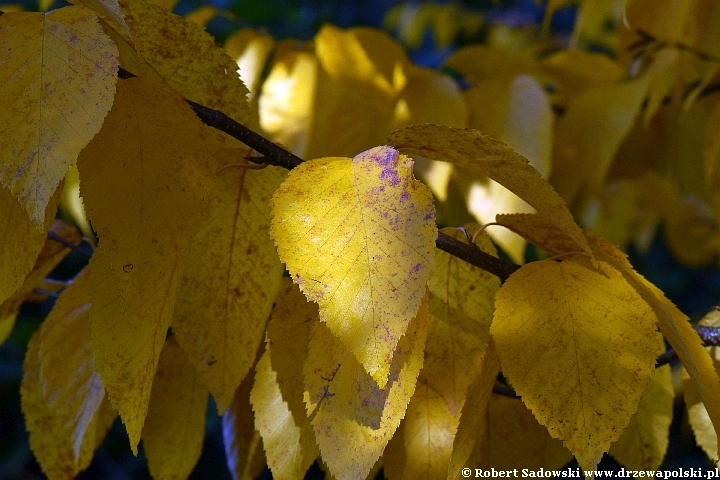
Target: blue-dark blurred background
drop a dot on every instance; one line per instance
(695, 291)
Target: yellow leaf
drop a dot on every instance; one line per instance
(20, 244)
(353, 419)
(251, 49)
(145, 195)
(538, 230)
(472, 425)
(482, 62)
(461, 306)
(175, 427)
(520, 116)
(644, 442)
(286, 100)
(61, 391)
(675, 327)
(589, 135)
(590, 324)
(512, 432)
(698, 417)
(243, 445)
(480, 154)
(231, 279)
(277, 394)
(194, 66)
(58, 76)
(358, 236)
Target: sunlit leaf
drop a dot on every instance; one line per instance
(358, 238)
(353, 419)
(471, 150)
(58, 76)
(590, 324)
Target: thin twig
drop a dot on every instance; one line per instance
(75, 248)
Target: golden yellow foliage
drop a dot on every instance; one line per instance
(366, 266)
(62, 394)
(231, 280)
(58, 77)
(175, 426)
(590, 324)
(277, 394)
(143, 190)
(243, 445)
(353, 419)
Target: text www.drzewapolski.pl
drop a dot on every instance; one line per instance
(577, 473)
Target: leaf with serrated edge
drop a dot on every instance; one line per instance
(591, 324)
(231, 279)
(195, 65)
(675, 327)
(175, 426)
(277, 394)
(472, 425)
(461, 306)
(243, 445)
(538, 230)
(353, 419)
(58, 76)
(145, 194)
(359, 238)
(61, 392)
(643, 444)
(474, 151)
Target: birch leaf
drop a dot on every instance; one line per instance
(175, 427)
(231, 279)
(61, 391)
(353, 419)
(195, 66)
(644, 442)
(58, 77)
(277, 394)
(143, 190)
(675, 327)
(358, 237)
(480, 154)
(590, 324)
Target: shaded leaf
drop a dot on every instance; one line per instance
(590, 324)
(145, 195)
(358, 238)
(353, 419)
(175, 426)
(243, 445)
(231, 279)
(58, 76)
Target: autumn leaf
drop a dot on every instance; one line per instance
(353, 419)
(58, 76)
(675, 327)
(145, 194)
(480, 154)
(472, 425)
(62, 394)
(231, 280)
(175, 426)
(590, 324)
(195, 66)
(243, 445)
(277, 394)
(358, 238)
(643, 444)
